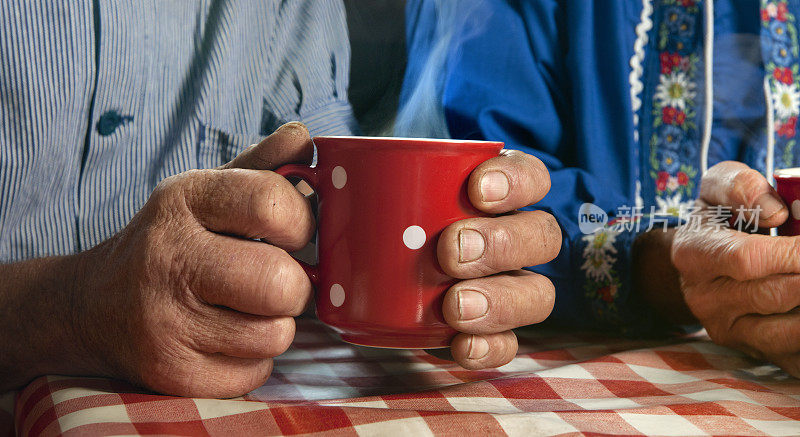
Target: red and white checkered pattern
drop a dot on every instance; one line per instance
(558, 384)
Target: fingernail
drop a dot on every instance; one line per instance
(494, 186)
(478, 347)
(471, 305)
(770, 205)
(470, 245)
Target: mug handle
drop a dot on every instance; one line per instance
(308, 174)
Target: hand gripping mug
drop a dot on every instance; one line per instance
(382, 204)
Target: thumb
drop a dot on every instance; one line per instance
(736, 185)
(290, 143)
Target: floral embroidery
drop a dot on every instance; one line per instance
(675, 134)
(780, 49)
(674, 91)
(673, 137)
(786, 99)
(673, 206)
(599, 254)
(603, 283)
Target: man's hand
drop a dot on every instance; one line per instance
(743, 287)
(489, 253)
(185, 300)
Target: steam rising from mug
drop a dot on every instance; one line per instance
(421, 114)
(739, 106)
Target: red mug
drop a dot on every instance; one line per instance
(382, 204)
(787, 183)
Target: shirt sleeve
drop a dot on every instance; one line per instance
(514, 74)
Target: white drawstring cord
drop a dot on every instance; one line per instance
(770, 164)
(708, 60)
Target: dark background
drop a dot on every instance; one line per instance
(377, 41)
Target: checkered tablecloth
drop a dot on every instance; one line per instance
(558, 384)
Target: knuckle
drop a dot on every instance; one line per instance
(289, 285)
(192, 178)
(739, 257)
(719, 333)
(702, 300)
(503, 350)
(524, 298)
(549, 234)
(179, 197)
(540, 174)
(502, 301)
(267, 208)
(724, 166)
(782, 254)
(763, 299)
(302, 229)
(746, 186)
(721, 171)
(680, 251)
(283, 335)
(284, 212)
(512, 345)
(744, 256)
(534, 297)
(164, 187)
(792, 248)
(548, 298)
(175, 185)
(500, 247)
(528, 174)
(173, 266)
(188, 278)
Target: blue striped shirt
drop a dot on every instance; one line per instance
(100, 100)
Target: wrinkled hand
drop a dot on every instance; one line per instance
(184, 300)
(489, 253)
(744, 288)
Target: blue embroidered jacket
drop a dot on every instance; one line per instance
(612, 96)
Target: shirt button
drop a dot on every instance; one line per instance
(109, 121)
